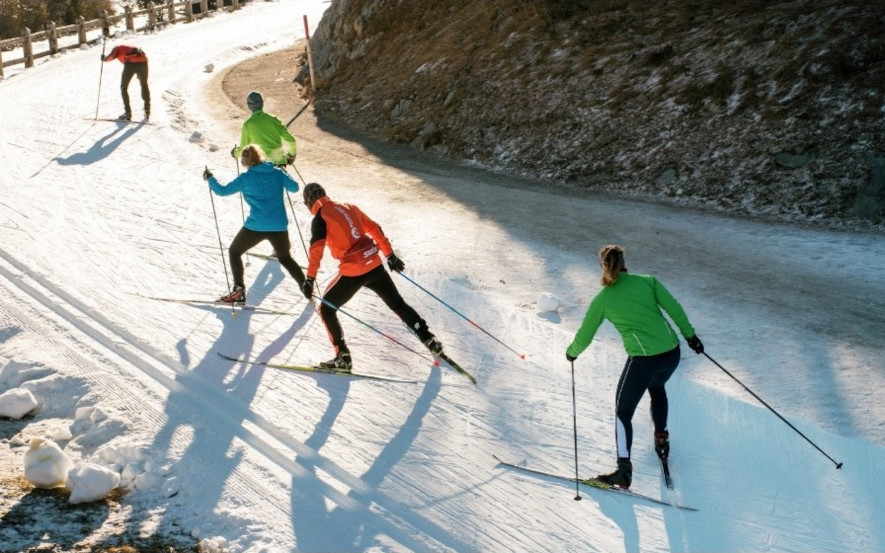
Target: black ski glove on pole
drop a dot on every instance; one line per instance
(695, 343)
(395, 263)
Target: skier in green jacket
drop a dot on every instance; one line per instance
(633, 304)
(268, 132)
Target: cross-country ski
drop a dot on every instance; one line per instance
(219, 303)
(592, 483)
(448, 360)
(314, 369)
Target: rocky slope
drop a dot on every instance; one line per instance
(761, 108)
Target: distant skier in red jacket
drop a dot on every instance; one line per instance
(135, 63)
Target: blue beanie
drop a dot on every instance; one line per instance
(255, 101)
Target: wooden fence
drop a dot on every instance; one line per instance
(157, 15)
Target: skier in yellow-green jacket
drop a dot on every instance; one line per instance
(266, 131)
(633, 304)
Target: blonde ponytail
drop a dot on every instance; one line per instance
(612, 260)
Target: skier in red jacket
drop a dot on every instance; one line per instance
(135, 63)
(355, 241)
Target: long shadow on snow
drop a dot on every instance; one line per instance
(102, 148)
(208, 485)
(350, 524)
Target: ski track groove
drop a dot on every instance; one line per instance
(261, 435)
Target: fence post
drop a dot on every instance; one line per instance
(81, 30)
(189, 10)
(204, 8)
(171, 8)
(28, 48)
(152, 18)
(313, 81)
(105, 24)
(1, 62)
(52, 36)
(219, 5)
(130, 20)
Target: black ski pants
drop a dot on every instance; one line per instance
(378, 280)
(642, 373)
(140, 70)
(247, 239)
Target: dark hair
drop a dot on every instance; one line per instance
(312, 192)
(612, 260)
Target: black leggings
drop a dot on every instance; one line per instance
(247, 239)
(379, 281)
(643, 373)
(140, 70)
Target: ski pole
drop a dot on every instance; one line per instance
(292, 208)
(233, 310)
(521, 355)
(104, 43)
(575, 418)
(295, 219)
(392, 339)
(838, 465)
(300, 111)
(242, 208)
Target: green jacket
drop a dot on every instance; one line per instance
(268, 132)
(633, 304)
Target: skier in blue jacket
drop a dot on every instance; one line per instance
(262, 185)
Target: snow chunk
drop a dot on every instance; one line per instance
(16, 403)
(90, 482)
(46, 465)
(213, 545)
(547, 302)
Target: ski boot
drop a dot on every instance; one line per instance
(341, 363)
(620, 478)
(662, 445)
(434, 345)
(237, 295)
(125, 117)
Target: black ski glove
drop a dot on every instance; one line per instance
(695, 343)
(206, 173)
(569, 357)
(307, 287)
(395, 263)
(290, 159)
(233, 151)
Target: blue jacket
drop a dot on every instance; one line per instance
(262, 187)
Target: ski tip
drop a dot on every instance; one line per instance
(522, 356)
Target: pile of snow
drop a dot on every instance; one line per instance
(15, 404)
(46, 465)
(547, 303)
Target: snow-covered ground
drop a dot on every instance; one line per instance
(96, 216)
